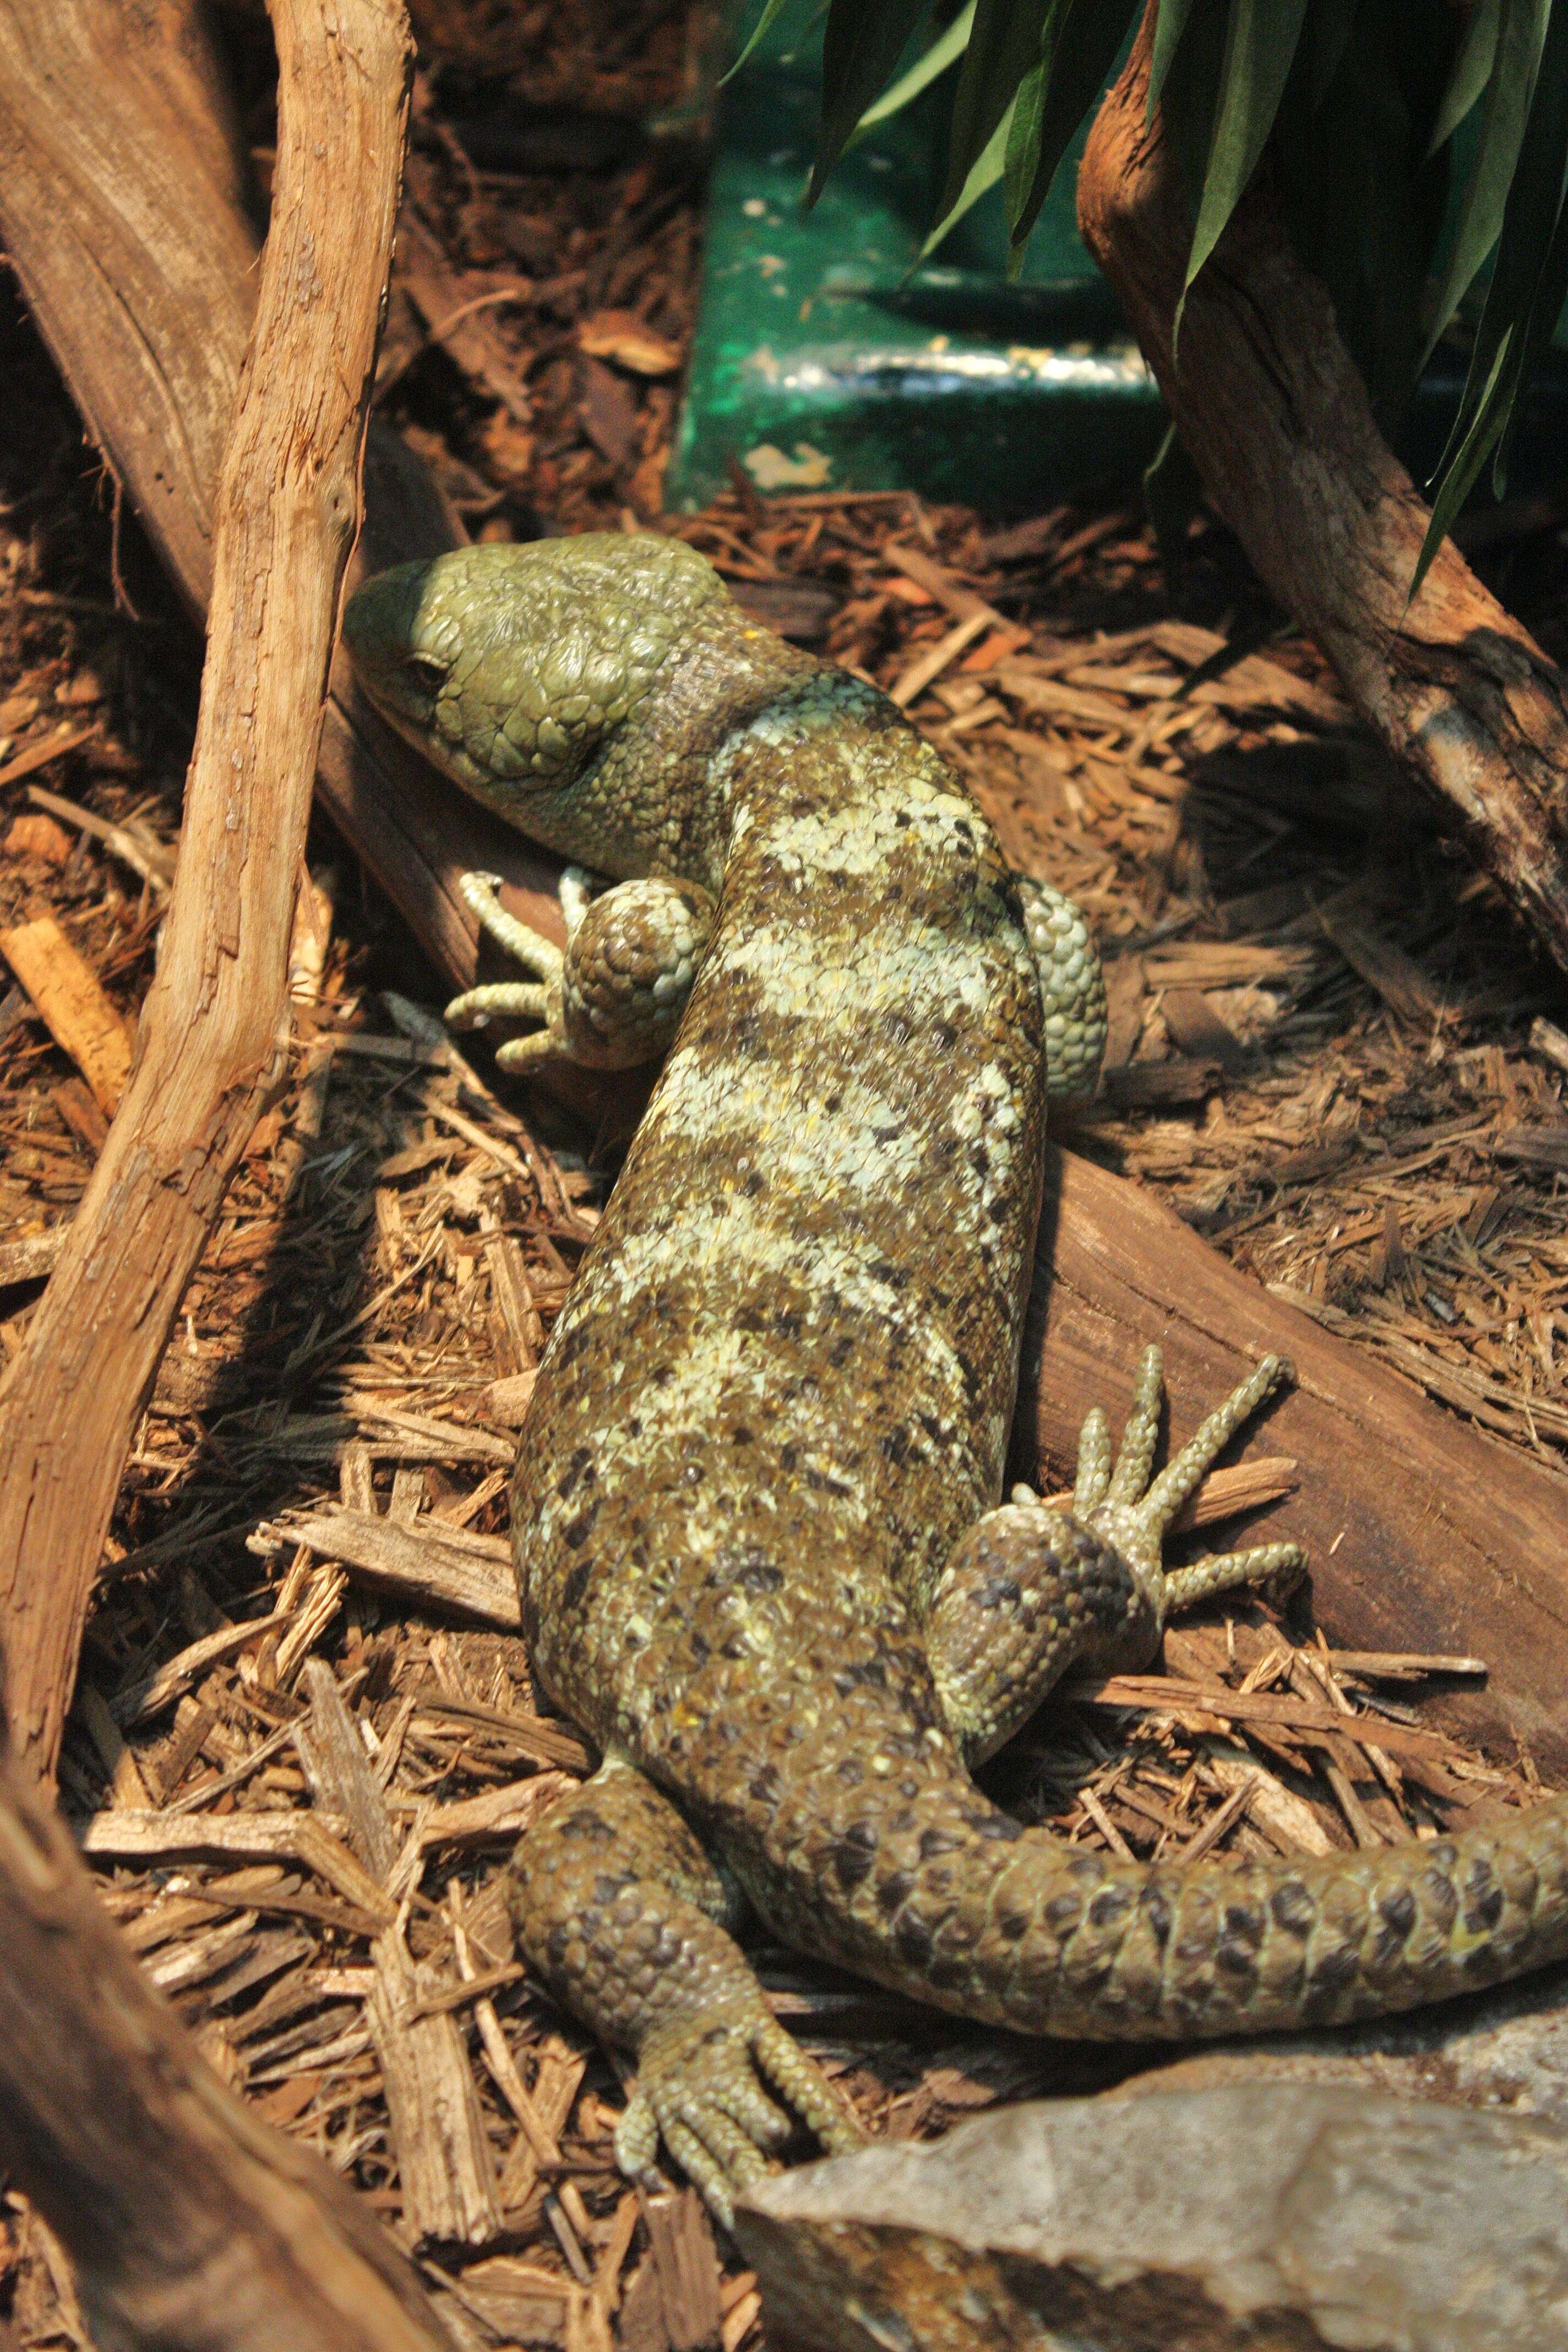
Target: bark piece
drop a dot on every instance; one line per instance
(1229, 2218)
(444, 2162)
(287, 507)
(190, 2224)
(462, 322)
(33, 1257)
(82, 1021)
(40, 837)
(1422, 1534)
(429, 1566)
(1274, 413)
(134, 1836)
(686, 2264)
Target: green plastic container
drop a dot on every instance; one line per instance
(826, 359)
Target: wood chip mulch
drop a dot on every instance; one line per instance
(306, 1733)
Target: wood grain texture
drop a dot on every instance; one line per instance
(1274, 413)
(1423, 1534)
(123, 211)
(189, 2224)
(209, 1050)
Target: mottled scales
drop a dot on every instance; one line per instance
(761, 1542)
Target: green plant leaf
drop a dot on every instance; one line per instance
(765, 24)
(1472, 69)
(863, 43)
(1022, 161)
(1078, 47)
(1330, 26)
(1369, 227)
(1521, 33)
(1170, 23)
(1525, 251)
(986, 170)
(1480, 439)
(1259, 49)
(944, 51)
(1005, 44)
(1190, 98)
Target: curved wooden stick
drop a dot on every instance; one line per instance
(1272, 410)
(213, 1025)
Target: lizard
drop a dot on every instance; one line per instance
(762, 1549)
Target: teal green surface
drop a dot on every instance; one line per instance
(825, 360)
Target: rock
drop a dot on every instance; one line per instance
(1277, 2217)
(1503, 2049)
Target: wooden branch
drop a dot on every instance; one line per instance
(1423, 1534)
(121, 209)
(1273, 411)
(1127, 1271)
(211, 1029)
(189, 2224)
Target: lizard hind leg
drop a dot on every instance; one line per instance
(618, 1907)
(1030, 1591)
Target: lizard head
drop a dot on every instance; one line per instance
(512, 668)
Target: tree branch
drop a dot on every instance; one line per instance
(214, 1022)
(1274, 413)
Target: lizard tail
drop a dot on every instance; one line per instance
(947, 1898)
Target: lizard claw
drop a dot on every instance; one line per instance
(701, 2090)
(1133, 1511)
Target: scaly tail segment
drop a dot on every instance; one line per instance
(935, 1890)
(1110, 1952)
(879, 1853)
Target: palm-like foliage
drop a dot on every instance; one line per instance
(1414, 141)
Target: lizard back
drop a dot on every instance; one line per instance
(796, 1339)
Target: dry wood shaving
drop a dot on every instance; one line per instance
(306, 1732)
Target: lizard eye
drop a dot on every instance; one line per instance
(425, 673)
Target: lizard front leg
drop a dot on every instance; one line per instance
(1029, 1592)
(615, 997)
(620, 1910)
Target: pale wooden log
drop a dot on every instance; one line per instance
(209, 1047)
(122, 212)
(1271, 408)
(189, 2224)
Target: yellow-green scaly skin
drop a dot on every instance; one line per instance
(779, 1397)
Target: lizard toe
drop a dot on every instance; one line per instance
(717, 2183)
(823, 2108)
(637, 2138)
(702, 2089)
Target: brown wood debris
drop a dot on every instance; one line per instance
(307, 1733)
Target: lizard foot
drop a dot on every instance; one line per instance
(615, 997)
(1132, 1511)
(700, 2089)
